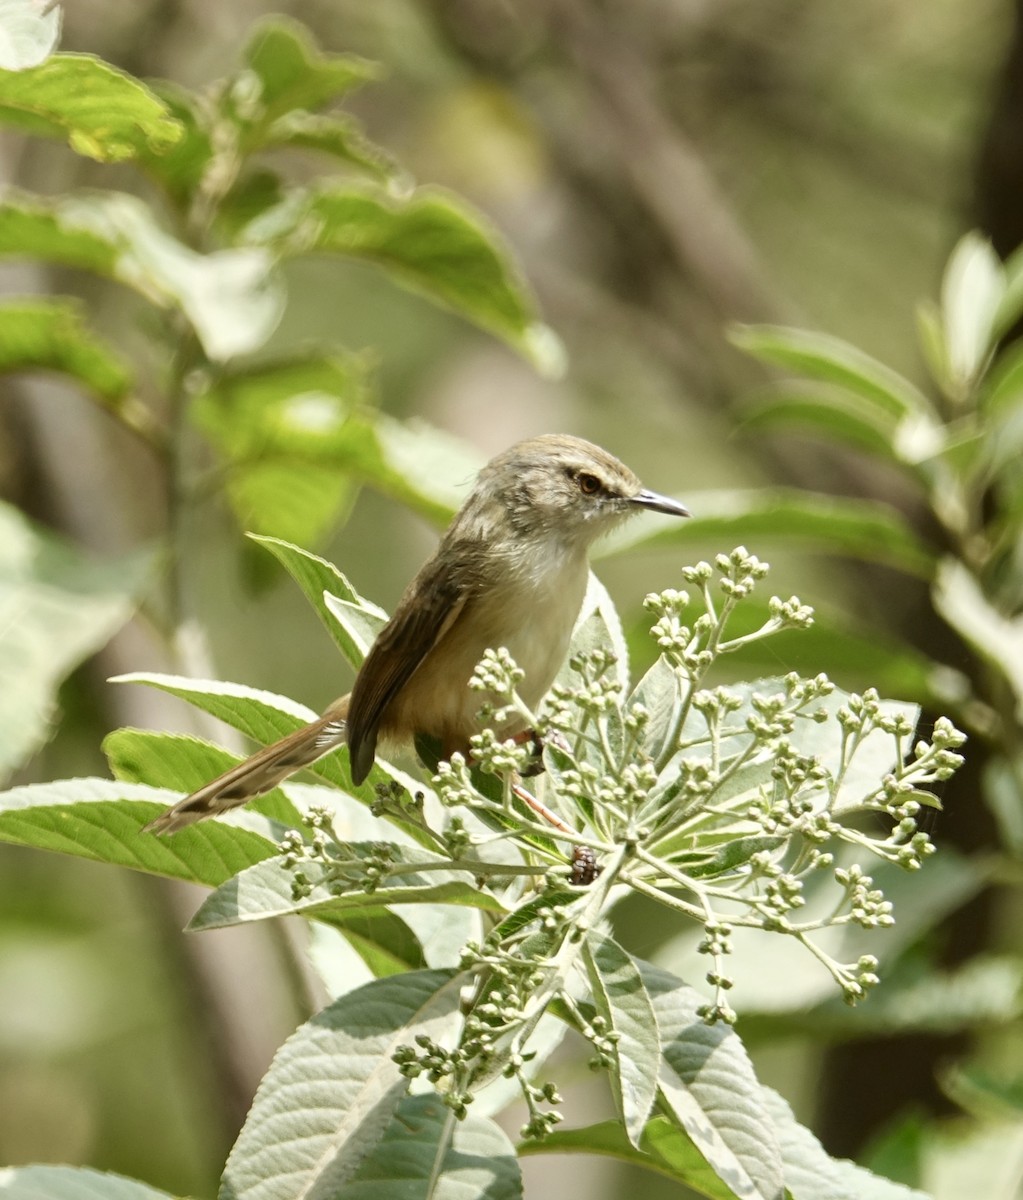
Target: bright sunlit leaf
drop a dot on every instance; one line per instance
(51, 335)
(821, 356)
(232, 297)
(428, 240)
(29, 32)
(971, 293)
(102, 112)
(342, 1085)
(56, 608)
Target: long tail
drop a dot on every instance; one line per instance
(258, 774)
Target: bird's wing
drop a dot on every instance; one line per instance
(430, 606)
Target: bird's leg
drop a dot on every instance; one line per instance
(541, 809)
(535, 768)
(584, 867)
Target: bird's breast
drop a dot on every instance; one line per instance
(529, 608)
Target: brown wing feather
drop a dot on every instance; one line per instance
(430, 606)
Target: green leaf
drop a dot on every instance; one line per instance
(56, 608)
(659, 692)
(897, 1152)
(256, 190)
(339, 136)
(620, 997)
(332, 1089)
(838, 415)
(267, 890)
(352, 622)
(707, 1086)
(360, 945)
(55, 231)
(983, 1092)
(265, 718)
(820, 356)
(174, 761)
(663, 1148)
(734, 734)
(383, 941)
(719, 847)
(325, 426)
(1002, 386)
(419, 465)
(863, 529)
(233, 298)
(1002, 794)
(429, 242)
(262, 716)
(811, 1174)
(973, 449)
(415, 1158)
(290, 73)
(72, 1183)
(184, 764)
(844, 417)
(998, 639)
(734, 852)
(874, 757)
(1010, 309)
(971, 294)
(529, 911)
(51, 335)
(100, 819)
(28, 34)
(284, 428)
(931, 336)
(179, 170)
(103, 113)
(597, 627)
(301, 425)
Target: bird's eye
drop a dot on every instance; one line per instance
(589, 485)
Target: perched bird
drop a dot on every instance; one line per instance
(510, 571)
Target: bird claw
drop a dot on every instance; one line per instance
(537, 742)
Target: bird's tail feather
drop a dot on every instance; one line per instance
(260, 773)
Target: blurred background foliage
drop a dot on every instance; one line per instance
(661, 170)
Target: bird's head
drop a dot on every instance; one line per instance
(566, 488)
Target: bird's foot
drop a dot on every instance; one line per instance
(537, 741)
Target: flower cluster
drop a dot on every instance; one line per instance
(736, 806)
(325, 861)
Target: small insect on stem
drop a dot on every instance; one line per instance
(585, 867)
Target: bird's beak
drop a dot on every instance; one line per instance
(657, 503)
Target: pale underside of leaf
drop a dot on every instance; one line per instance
(333, 1088)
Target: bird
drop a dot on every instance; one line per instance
(510, 571)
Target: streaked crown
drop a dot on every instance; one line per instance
(565, 486)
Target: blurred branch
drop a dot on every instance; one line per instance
(650, 161)
(669, 175)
